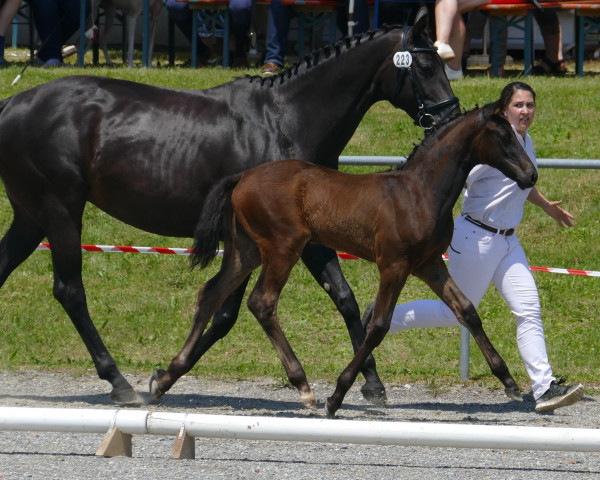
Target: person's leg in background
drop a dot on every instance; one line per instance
(553, 62)
(241, 16)
(8, 10)
(278, 28)
(55, 21)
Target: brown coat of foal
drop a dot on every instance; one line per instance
(401, 220)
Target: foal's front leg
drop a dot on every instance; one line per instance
(436, 275)
(391, 282)
(324, 266)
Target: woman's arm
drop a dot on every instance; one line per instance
(562, 217)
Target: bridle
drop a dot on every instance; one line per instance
(425, 118)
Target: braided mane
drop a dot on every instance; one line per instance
(321, 55)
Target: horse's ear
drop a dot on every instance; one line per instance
(421, 21)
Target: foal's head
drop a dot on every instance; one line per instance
(496, 144)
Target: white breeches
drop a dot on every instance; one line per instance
(477, 258)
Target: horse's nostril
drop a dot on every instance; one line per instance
(534, 177)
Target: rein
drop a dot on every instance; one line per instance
(425, 114)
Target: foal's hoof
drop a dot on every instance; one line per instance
(308, 400)
(330, 409)
(126, 397)
(155, 391)
(376, 396)
(514, 394)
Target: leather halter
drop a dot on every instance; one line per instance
(425, 117)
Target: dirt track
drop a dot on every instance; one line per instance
(54, 455)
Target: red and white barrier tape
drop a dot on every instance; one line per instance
(343, 256)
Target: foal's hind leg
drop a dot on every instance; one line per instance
(263, 304)
(436, 275)
(323, 264)
(233, 275)
(222, 322)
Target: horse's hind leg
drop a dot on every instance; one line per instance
(436, 275)
(324, 266)
(18, 244)
(263, 304)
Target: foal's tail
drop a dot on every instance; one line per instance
(214, 221)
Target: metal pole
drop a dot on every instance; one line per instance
(145, 33)
(576, 163)
(82, 19)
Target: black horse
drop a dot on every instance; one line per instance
(148, 156)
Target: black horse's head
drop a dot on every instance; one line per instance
(414, 66)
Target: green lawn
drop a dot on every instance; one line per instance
(142, 304)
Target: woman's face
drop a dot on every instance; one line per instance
(520, 110)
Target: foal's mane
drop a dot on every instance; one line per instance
(318, 56)
(485, 112)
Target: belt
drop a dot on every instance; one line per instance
(507, 233)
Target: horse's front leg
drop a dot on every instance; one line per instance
(392, 279)
(198, 342)
(323, 264)
(436, 275)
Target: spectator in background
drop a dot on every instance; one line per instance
(553, 62)
(451, 31)
(278, 28)
(240, 14)
(8, 10)
(55, 21)
(547, 19)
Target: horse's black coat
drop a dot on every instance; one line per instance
(149, 155)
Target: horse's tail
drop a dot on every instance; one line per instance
(214, 221)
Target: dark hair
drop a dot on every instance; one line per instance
(508, 92)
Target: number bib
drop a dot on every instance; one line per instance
(402, 59)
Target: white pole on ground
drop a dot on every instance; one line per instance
(300, 429)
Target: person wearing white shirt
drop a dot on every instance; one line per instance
(486, 249)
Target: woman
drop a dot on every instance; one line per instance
(485, 249)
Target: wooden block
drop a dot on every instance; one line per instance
(184, 446)
(115, 444)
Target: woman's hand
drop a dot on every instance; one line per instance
(562, 217)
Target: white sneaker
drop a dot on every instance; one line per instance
(453, 74)
(444, 51)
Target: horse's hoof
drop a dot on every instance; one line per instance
(376, 396)
(155, 391)
(308, 400)
(514, 394)
(126, 398)
(329, 409)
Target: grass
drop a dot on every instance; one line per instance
(142, 304)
